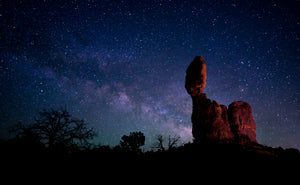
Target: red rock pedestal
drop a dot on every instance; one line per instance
(210, 120)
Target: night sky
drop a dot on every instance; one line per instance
(120, 65)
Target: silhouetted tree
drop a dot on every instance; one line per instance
(172, 142)
(133, 142)
(56, 128)
(159, 144)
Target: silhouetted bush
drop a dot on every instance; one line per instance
(133, 142)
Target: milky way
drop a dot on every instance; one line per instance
(120, 65)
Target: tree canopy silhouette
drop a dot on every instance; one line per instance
(56, 128)
(133, 142)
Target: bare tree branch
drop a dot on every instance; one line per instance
(172, 142)
(56, 127)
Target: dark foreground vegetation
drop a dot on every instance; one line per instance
(190, 151)
(58, 141)
(191, 160)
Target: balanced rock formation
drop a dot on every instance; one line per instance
(212, 122)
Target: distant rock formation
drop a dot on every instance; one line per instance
(212, 122)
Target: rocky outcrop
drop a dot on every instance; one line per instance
(241, 121)
(212, 122)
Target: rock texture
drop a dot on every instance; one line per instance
(241, 121)
(196, 76)
(212, 122)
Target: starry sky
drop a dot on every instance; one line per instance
(120, 65)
